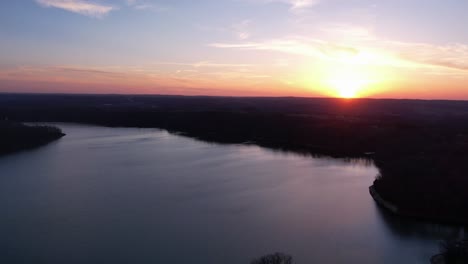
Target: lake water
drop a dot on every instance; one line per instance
(124, 195)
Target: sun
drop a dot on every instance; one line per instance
(347, 88)
(348, 83)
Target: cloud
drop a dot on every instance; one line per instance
(81, 70)
(453, 56)
(370, 51)
(206, 64)
(81, 7)
(241, 29)
(348, 31)
(295, 45)
(301, 4)
(145, 5)
(294, 5)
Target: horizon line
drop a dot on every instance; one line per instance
(232, 96)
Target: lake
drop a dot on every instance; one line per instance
(127, 195)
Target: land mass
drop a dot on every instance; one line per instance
(420, 147)
(16, 136)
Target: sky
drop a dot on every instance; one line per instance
(311, 48)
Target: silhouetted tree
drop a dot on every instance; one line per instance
(454, 252)
(276, 258)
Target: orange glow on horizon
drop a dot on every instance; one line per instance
(351, 81)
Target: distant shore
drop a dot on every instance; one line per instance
(395, 210)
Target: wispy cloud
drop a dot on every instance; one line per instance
(79, 6)
(301, 4)
(241, 29)
(206, 64)
(294, 5)
(370, 51)
(166, 77)
(294, 45)
(453, 56)
(146, 5)
(347, 31)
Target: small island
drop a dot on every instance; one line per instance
(16, 136)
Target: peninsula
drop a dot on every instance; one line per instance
(17, 136)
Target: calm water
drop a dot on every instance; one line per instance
(118, 195)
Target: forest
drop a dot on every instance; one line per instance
(16, 136)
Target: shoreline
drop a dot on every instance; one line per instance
(382, 202)
(395, 210)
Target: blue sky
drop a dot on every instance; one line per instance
(368, 48)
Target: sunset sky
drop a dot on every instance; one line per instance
(338, 48)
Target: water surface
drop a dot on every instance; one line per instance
(124, 195)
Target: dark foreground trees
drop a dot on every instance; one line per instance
(452, 252)
(276, 258)
(16, 136)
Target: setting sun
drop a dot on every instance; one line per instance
(348, 83)
(347, 88)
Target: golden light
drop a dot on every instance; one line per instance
(347, 88)
(350, 75)
(350, 82)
